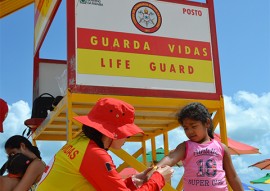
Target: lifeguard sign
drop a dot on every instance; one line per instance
(144, 48)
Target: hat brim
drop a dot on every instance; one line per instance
(2, 119)
(110, 130)
(1, 128)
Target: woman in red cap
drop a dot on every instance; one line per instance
(84, 163)
(3, 113)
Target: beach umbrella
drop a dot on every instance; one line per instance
(264, 164)
(249, 187)
(159, 155)
(262, 180)
(238, 148)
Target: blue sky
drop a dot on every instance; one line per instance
(243, 31)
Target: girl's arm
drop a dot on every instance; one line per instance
(231, 175)
(174, 156)
(31, 176)
(171, 159)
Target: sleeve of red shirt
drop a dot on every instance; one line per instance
(98, 168)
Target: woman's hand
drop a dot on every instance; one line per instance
(142, 177)
(166, 172)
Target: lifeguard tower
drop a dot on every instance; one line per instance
(156, 55)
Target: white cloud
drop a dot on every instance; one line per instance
(18, 113)
(248, 117)
(14, 123)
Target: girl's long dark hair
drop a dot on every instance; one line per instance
(15, 142)
(198, 112)
(3, 169)
(16, 164)
(93, 134)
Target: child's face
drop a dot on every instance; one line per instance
(196, 131)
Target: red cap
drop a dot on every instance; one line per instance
(3, 113)
(112, 117)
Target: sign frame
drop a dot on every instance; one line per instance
(76, 88)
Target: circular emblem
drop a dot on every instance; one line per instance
(146, 17)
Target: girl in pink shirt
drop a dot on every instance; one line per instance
(207, 163)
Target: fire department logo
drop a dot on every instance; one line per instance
(146, 17)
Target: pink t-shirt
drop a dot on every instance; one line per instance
(203, 166)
